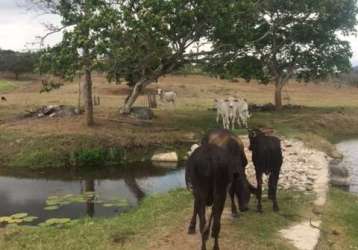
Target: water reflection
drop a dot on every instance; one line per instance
(22, 192)
(349, 149)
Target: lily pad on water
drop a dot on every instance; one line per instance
(109, 205)
(5, 219)
(52, 202)
(30, 218)
(50, 208)
(15, 218)
(19, 215)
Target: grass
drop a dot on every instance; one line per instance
(127, 231)
(158, 216)
(6, 86)
(340, 221)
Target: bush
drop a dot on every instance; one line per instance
(92, 157)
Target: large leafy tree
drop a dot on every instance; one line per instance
(275, 40)
(83, 24)
(152, 38)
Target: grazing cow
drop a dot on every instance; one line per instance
(267, 158)
(234, 146)
(209, 171)
(3, 99)
(167, 96)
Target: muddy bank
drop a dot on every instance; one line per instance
(69, 151)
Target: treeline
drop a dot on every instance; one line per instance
(350, 78)
(137, 42)
(18, 63)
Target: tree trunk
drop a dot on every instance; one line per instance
(79, 94)
(278, 94)
(87, 91)
(133, 95)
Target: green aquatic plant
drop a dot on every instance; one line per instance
(56, 202)
(17, 218)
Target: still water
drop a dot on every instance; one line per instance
(26, 193)
(349, 149)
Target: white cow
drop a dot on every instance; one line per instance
(242, 112)
(223, 112)
(167, 96)
(232, 110)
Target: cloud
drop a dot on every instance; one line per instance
(19, 29)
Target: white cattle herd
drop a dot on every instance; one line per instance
(232, 111)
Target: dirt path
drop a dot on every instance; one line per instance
(179, 239)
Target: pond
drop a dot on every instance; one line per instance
(66, 194)
(349, 149)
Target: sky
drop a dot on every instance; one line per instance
(19, 28)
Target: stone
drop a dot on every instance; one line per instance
(142, 113)
(165, 157)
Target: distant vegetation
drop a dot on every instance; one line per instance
(350, 78)
(17, 63)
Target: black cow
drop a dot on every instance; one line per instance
(267, 158)
(239, 187)
(3, 99)
(209, 171)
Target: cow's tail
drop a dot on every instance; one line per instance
(187, 175)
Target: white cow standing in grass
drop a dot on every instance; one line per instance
(243, 112)
(223, 112)
(232, 110)
(167, 96)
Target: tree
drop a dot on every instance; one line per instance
(83, 25)
(151, 39)
(275, 40)
(16, 62)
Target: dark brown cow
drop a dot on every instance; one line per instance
(209, 171)
(240, 188)
(267, 158)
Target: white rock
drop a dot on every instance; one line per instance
(165, 157)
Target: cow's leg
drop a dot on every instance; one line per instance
(273, 180)
(218, 207)
(192, 225)
(234, 212)
(259, 190)
(202, 223)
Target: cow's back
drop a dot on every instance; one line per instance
(267, 153)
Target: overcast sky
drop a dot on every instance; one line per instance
(19, 28)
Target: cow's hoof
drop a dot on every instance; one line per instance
(191, 230)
